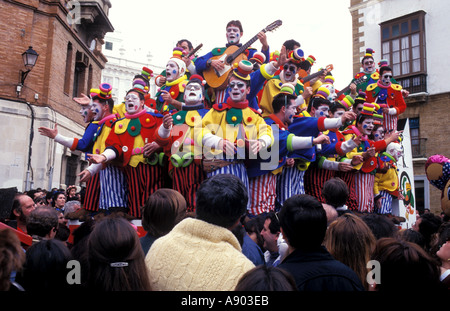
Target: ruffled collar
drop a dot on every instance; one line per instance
(240, 105)
(135, 115)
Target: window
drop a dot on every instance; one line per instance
(418, 145)
(108, 45)
(403, 45)
(421, 192)
(68, 72)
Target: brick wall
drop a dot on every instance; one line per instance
(43, 25)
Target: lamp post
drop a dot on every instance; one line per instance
(29, 59)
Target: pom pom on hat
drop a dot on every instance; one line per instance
(322, 92)
(197, 78)
(287, 88)
(296, 56)
(369, 52)
(311, 59)
(259, 58)
(105, 91)
(243, 70)
(347, 102)
(383, 63)
(368, 109)
(94, 92)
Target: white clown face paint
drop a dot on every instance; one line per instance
(86, 112)
(172, 71)
(193, 94)
(133, 103)
(233, 35)
(322, 111)
(238, 90)
(97, 110)
(366, 126)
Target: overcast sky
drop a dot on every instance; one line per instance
(323, 27)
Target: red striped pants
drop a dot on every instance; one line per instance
(143, 180)
(349, 179)
(364, 191)
(314, 179)
(262, 193)
(187, 180)
(92, 196)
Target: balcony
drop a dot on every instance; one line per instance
(414, 84)
(418, 147)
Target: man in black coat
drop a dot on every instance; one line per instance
(303, 225)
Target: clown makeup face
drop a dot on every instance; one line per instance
(378, 134)
(97, 110)
(386, 78)
(238, 90)
(291, 110)
(321, 111)
(358, 108)
(86, 112)
(338, 113)
(172, 71)
(133, 103)
(289, 71)
(193, 94)
(233, 34)
(366, 126)
(369, 65)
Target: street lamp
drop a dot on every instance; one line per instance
(29, 59)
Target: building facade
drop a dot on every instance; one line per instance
(68, 36)
(409, 34)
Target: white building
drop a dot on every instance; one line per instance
(124, 63)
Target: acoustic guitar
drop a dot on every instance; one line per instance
(194, 50)
(233, 54)
(326, 70)
(356, 81)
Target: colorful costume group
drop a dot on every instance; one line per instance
(193, 146)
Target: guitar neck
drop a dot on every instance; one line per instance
(231, 58)
(345, 89)
(194, 50)
(312, 76)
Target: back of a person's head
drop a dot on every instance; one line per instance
(303, 221)
(12, 257)
(264, 278)
(335, 192)
(381, 226)
(42, 221)
(163, 209)
(405, 265)
(351, 242)
(412, 236)
(221, 200)
(116, 259)
(429, 225)
(46, 266)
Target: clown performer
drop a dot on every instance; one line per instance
(113, 185)
(85, 144)
(369, 74)
(233, 132)
(212, 59)
(170, 95)
(291, 180)
(368, 149)
(288, 74)
(326, 164)
(388, 96)
(262, 173)
(131, 141)
(386, 186)
(141, 81)
(177, 132)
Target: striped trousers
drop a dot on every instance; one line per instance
(364, 191)
(289, 183)
(187, 180)
(262, 194)
(237, 169)
(92, 196)
(390, 122)
(349, 179)
(113, 188)
(143, 180)
(386, 203)
(314, 180)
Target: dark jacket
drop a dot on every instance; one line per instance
(319, 271)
